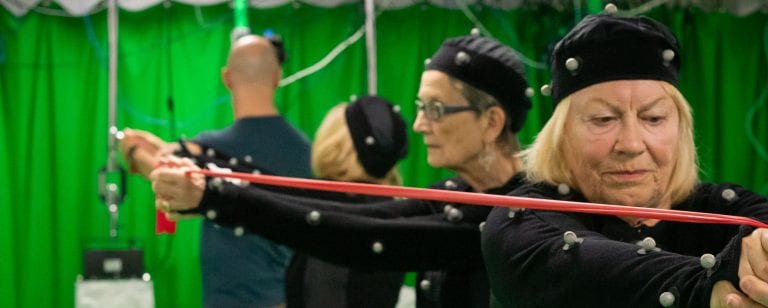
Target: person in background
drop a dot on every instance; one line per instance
(472, 102)
(622, 133)
(340, 153)
(240, 269)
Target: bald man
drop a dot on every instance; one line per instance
(238, 269)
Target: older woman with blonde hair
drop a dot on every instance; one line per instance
(622, 133)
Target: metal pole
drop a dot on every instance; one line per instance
(111, 194)
(370, 44)
(242, 28)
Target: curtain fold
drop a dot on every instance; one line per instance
(53, 99)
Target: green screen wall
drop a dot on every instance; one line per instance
(53, 113)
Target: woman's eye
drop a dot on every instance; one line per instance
(603, 120)
(655, 119)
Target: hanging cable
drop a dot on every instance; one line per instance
(480, 27)
(749, 127)
(327, 59)
(370, 45)
(643, 8)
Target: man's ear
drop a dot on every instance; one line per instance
(495, 119)
(278, 77)
(226, 78)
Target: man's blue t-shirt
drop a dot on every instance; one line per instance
(249, 270)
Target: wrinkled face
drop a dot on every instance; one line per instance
(454, 140)
(620, 141)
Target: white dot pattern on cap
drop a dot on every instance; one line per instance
(529, 92)
(462, 58)
(572, 64)
(668, 55)
(546, 90)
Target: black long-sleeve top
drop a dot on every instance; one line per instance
(529, 267)
(402, 235)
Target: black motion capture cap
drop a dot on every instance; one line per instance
(607, 47)
(489, 66)
(378, 133)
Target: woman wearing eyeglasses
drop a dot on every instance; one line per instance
(472, 101)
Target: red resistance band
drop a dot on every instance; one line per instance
(489, 200)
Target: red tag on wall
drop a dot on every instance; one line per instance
(163, 225)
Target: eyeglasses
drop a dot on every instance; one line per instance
(435, 110)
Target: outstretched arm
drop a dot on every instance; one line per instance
(395, 234)
(143, 150)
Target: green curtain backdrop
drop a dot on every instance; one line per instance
(53, 126)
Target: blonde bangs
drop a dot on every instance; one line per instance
(545, 158)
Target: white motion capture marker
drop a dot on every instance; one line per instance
(728, 194)
(481, 226)
(529, 92)
(256, 172)
(211, 214)
(455, 215)
(313, 218)
(648, 245)
(370, 140)
(216, 183)
(668, 55)
(233, 161)
(571, 240)
(396, 108)
(427, 61)
(546, 90)
(474, 32)
(239, 231)
(708, 261)
(513, 212)
(447, 208)
(377, 247)
(667, 299)
(611, 8)
(563, 189)
(248, 159)
(450, 184)
(572, 64)
(210, 152)
(425, 284)
(462, 58)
